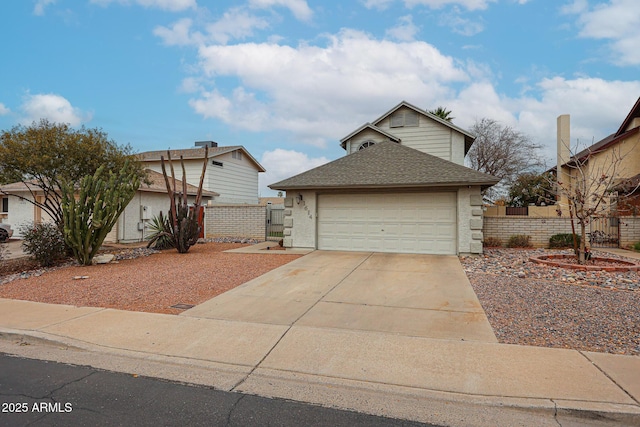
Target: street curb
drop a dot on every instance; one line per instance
(422, 405)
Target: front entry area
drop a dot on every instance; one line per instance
(421, 223)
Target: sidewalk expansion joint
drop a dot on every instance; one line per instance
(609, 377)
(100, 309)
(295, 321)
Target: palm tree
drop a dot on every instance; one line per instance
(443, 113)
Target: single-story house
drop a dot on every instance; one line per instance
(148, 201)
(401, 187)
(231, 178)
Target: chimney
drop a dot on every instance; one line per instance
(563, 154)
(210, 144)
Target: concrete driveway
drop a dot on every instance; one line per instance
(402, 294)
(14, 249)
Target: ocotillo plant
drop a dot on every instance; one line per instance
(100, 201)
(183, 218)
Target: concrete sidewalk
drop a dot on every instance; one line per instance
(307, 350)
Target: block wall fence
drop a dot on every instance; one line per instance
(541, 229)
(242, 221)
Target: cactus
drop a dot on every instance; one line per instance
(184, 227)
(91, 210)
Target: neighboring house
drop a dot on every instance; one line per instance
(232, 172)
(148, 201)
(620, 149)
(402, 187)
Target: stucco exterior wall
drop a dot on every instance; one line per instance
(470, 220)
(300, 220)
(241, 221)
(127, 226)
(21, 212)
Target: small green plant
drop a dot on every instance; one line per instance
(519, 241)
(636, 246)
(492, 242)
(563, 240)
(44, 242)
(160, 237)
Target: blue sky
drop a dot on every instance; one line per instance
(288, 78)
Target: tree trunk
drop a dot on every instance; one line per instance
(583, 244)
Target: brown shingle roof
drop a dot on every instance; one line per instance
(386, 165)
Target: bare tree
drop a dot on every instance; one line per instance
(588, 191)
(502, 151)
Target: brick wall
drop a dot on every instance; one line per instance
(540, 229)
(245, 221)
(629, 231)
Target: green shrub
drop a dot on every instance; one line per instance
(519, 241)
(636, 246)
(564, 240)
(44, 242)
(492, 242)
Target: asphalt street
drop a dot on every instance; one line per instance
(42, 393)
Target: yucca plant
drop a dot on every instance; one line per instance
(160, 237)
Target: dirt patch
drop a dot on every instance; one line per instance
(150, 284)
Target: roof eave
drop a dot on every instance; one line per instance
(384, 186)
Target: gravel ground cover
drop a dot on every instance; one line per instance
(535, 304)
(144, 280)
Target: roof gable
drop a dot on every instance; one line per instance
(633, 114)
(197, 153)
(389, 165)
(468, 137)
(369, 126)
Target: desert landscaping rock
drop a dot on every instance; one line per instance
(555, 307)
(146, 283)
(103, 259)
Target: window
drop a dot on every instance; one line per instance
(216, 163)
(365, 145)
(237, 155)
(403, 118)
(5, 205)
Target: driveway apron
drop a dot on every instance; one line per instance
(402, 294)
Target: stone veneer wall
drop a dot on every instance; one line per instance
(243, 221)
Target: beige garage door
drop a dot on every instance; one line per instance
(403, 223)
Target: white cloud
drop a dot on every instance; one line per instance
(433, 4)
(235, 24)
(406, 30)
(53, 107)
(178, 34)
(170, 5)
(4, 110)
(460, 25)
(299, 8)
(617, 21)
(281, 164)
(597, 108)
(320, 92)
(38, 8)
